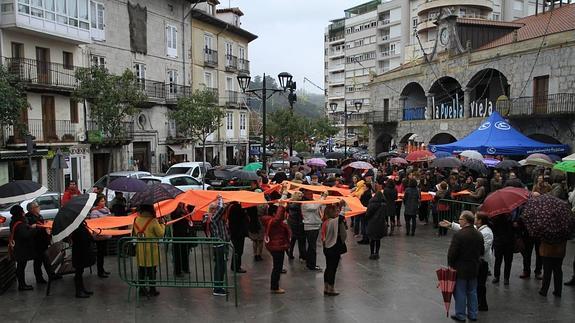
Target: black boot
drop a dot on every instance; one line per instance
(79, 290)
(407, 228)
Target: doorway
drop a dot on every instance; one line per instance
(43, 65)
(230, 158)
(100, 162)
(141, 155)
(48, 119)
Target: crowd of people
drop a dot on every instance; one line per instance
(479, 248)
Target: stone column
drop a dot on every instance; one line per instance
(371, 140)
(429, 111)
(401, 112)
(467, 102)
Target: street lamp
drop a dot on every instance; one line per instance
(333, 106)
(285, 80)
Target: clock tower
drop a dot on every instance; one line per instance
(447, 40)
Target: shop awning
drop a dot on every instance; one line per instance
(179, 150)
(21, 154)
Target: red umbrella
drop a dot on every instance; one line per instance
(446, 278)
(398, 161)
(504, 200)
(420, 156)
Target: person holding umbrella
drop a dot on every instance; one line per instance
(465, 250)
(41, 244)
(552, 255)
(21, 244)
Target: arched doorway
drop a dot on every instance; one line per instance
(486, 86)
(383, 143)
(544, 138)
(442, 138)
(414, 102)
(447, 99)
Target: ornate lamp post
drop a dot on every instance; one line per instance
(285, 80)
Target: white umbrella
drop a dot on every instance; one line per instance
(472, 154)
(570, 157)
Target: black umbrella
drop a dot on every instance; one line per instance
(304, 154)
(334, 155)
(245, 175)
(507, 164)
(445, 162)
(155, 194)
(71, 215)
(476, 166)
(18, 191)
(317, 155)
(387, 154)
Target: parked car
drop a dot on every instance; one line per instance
(181, 181)
(115, 175)
(49, 204)
(195, 169)
(223, 177)
(279, 166)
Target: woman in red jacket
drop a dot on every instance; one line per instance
(277, 239)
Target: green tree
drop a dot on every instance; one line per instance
(286, 127)
(323, 128)
(12, 101)
(113, 99)
(301, 146)
(197, 116)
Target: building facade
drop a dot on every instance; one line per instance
(524, 69)
(44, 42)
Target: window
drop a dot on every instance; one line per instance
(99, 61)
(518, 5)
(171, 41)
(140, 70)
(68, 60)
(74, 118)
(97, 21)
(462, 12)
(229, 51)
(208, 80)
(68, 12)
(242, 121)
(208, 41)
(172, 80)
(242, 52)
(230, 121)
(495, 16)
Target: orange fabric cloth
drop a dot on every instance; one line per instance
(461, 193)
(320, 189)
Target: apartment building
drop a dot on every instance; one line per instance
(220, 54)
(42, 43)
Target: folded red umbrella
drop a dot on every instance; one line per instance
(504, 200)
(446, 278)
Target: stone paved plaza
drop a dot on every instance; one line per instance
(400, 287)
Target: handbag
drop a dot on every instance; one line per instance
(518, 245)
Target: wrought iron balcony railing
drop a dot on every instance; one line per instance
(210, 57)
(43, 131)
(551, 104)
(39, 73)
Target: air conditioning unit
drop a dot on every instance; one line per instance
(81, 136)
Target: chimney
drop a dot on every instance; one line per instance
(515, 36)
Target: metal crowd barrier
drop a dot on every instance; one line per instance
(151, 262)
(450, 210)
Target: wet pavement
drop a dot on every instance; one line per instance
(399, 287)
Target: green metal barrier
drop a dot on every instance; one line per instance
(145, 263)
(451, 209)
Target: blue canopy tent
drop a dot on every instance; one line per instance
(496, 137)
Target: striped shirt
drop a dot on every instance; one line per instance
(217, 225)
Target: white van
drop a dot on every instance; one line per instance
(195, 169)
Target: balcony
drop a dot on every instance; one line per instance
(215, 94)
(243, 66)
(210, 57)
(382, 117)
(27, 17)
(232, 98)
(154, 90)
(96, 134)
(176, 91)
(42, 75)
(436, 4)
(231, 63)
(417, 113)
(45, 131)
(551, 105)
(335, 40)
(384, 22)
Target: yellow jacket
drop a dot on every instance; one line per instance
(148, 253)
(360, 188)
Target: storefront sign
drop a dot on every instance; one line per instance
(448, 110)
(481, 109)
(417, 113)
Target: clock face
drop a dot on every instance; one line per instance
(444, 37)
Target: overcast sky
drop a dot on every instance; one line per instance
(290, 35)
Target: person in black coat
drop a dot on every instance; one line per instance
(21, 241)
(390, 196)
(503, 245)
(364, 199)
(181, 229)
(376, 221)
(83, 256)
(464, 255)
(295, 222)
(238, 224)
(41, 244)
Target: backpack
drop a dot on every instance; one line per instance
(130, 248)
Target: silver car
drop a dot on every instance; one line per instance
(115, 175)
(49, 204)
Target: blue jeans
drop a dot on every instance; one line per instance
(465, 296)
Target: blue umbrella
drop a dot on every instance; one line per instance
(127, 184)
(442, 154)
(155, 194)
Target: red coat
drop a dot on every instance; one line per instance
(277, 233)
